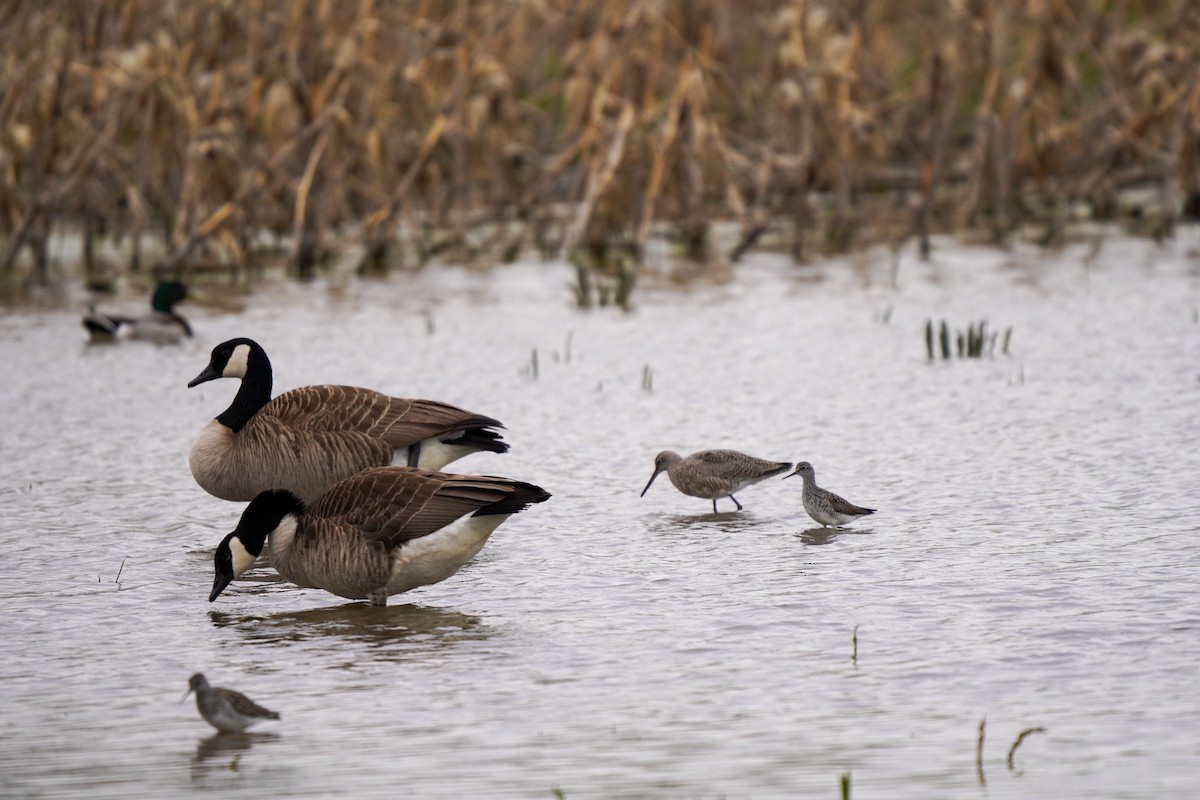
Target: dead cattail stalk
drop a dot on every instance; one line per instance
(600, 175)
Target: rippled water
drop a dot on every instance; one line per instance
(1034, 560)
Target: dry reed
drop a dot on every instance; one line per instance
(213, 134)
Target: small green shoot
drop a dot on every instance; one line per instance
(976, 341)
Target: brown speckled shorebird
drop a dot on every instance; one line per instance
(714, 473)
(824, 506)
(226, 710)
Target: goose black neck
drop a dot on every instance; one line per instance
(252, 395)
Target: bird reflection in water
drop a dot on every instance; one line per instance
(815, 537)
(428, 627)
(689, 524)
(220, 756)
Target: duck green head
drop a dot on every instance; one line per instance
(166, 295)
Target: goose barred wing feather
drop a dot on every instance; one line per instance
(398, 421)
(397, 504)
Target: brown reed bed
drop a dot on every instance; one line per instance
(214, 134)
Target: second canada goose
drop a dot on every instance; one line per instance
(163, 325)
(382, 532)
(307, 439)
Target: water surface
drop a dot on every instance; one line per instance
(1034, 560)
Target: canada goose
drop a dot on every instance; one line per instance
(823, 505)
(714, 473)
(163, 325)
(307, 439)
(226, 710)
(384, 531)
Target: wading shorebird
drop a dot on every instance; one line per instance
(226, 710)
(714, 473)
(382, 532)
(308, 439)
(824, 506)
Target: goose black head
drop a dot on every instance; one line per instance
(238, 551)
(233, 359)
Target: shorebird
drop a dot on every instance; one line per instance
(226, 710)
(823, 505)
(714, 473)
(163, 325)
(382, 532)
(308, 439)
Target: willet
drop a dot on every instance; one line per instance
(714, 473)
(226, 710)
(824, 506)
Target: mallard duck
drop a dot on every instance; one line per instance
(163, 325)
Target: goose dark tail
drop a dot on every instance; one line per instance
(522, 497)
(482, 439)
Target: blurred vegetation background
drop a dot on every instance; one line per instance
(213, 134)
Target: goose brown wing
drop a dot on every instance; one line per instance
(398, 421)
(396, 504)
(337, 452)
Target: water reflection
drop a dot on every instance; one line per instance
(220, 755)
(358, 622)
(818, 536)
(724, 521)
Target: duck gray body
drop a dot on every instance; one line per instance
(163, 325)
(824, 506)
(307, 439)
(382, 532)
(714, 473)
(226, 710)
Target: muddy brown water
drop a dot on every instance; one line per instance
(1034, 560)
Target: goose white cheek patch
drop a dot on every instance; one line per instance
(236, 366)
(242, 558)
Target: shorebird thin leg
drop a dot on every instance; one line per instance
(735, 502)
(714, 505)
